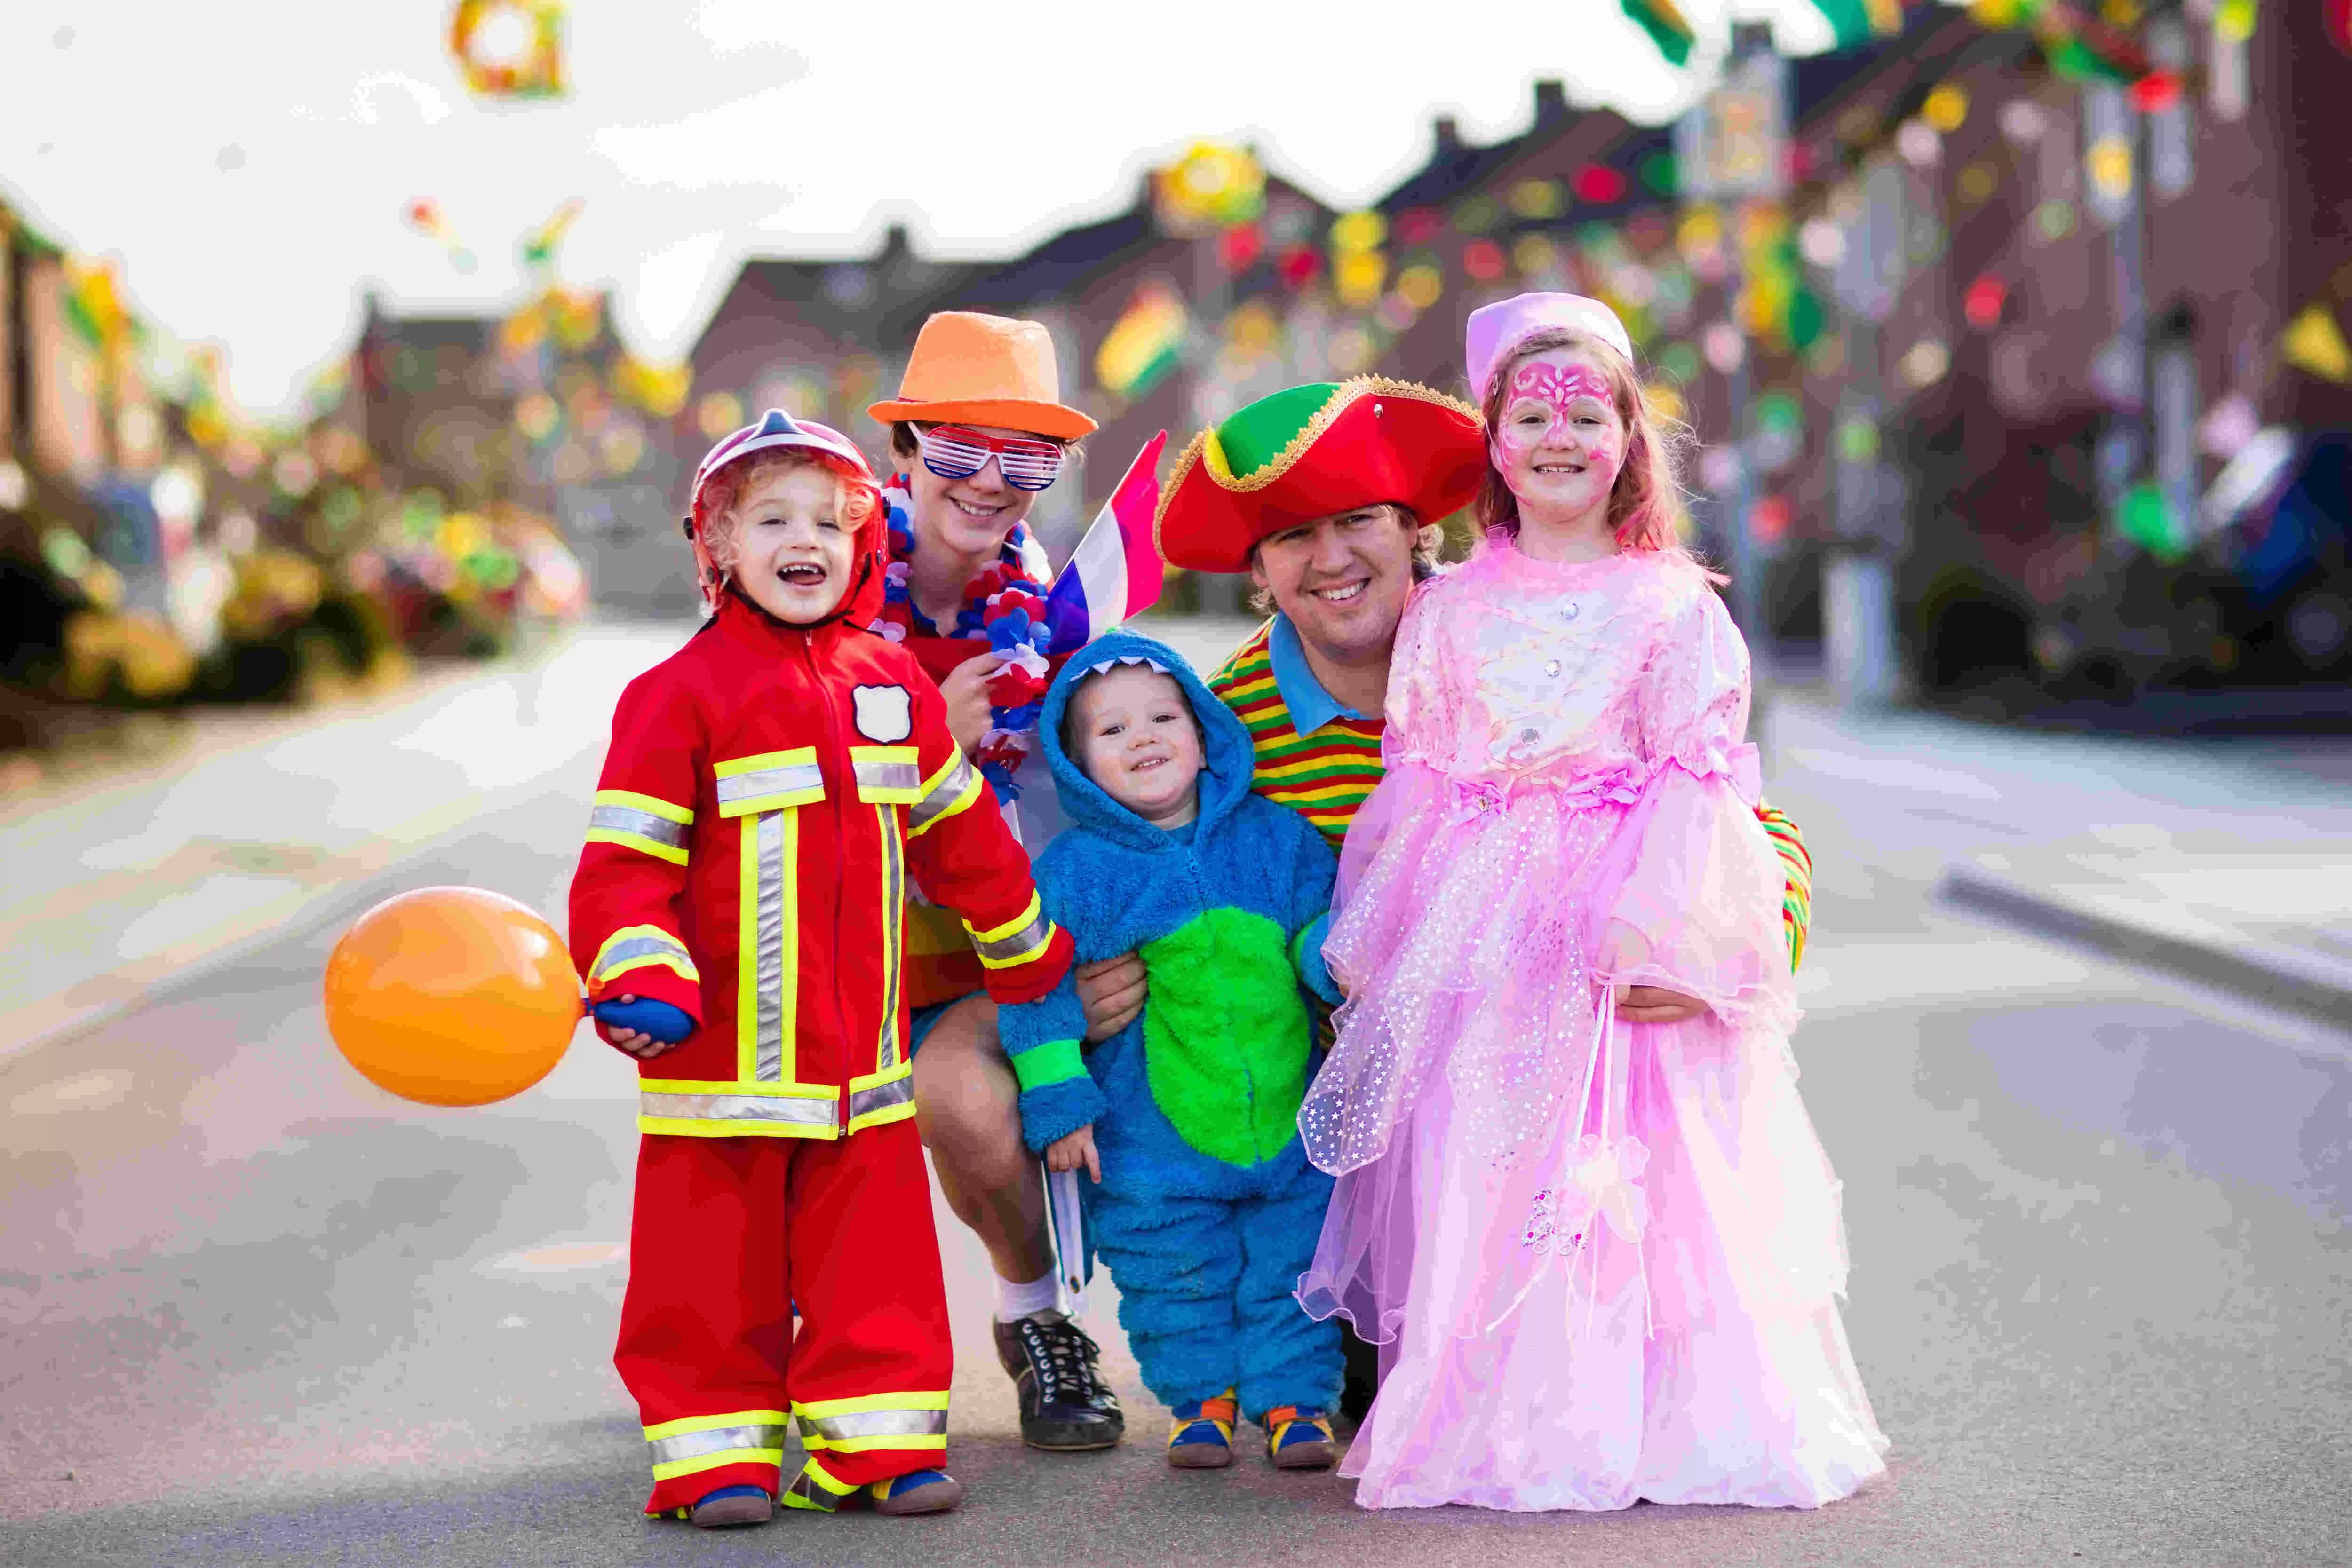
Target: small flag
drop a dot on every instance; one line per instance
(1854, 22)
(426, 217)
(1668, 26)
(1116, 570)
(2315, 344)
(539, 246)
(1144, 344)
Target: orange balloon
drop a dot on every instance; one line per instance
(452, 996)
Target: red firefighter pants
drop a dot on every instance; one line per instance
(729, 1233)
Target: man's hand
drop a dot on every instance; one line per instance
(965, 692)
(1069, 1153)
(635, 1043)
(1655, 1004)
(1110, 993)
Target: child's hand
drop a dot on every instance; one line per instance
(1110, 994)
(1655, 1004)
(965, 692)
(1068, 1154)
(635, 1041)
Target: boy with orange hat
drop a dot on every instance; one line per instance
(770, 790)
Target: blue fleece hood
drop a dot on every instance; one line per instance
(1225, 780)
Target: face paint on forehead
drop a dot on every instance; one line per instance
(1557, 383)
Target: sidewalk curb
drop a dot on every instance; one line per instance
(2223, 968)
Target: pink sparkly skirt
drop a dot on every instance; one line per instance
(1602, 1258)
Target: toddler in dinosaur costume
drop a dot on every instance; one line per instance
(1203, 1205)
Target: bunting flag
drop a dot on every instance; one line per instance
(1116, 570)
(1668, 26)
(2314, 343)
(1144, 344)
(539, 246)
(1856, 22)
(424, 216)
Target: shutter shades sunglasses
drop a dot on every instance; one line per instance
(956, 452)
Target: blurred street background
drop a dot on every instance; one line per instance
(2015, 343)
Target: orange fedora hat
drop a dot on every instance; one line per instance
(984, 370)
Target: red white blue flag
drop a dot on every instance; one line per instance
(1116, 570)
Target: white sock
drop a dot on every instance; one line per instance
(1014, 1302)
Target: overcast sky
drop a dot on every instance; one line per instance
(249, 163)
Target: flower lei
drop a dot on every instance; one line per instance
(1006, 606)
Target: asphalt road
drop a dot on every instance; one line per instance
(254, 1312)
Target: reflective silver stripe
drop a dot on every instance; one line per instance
(894, 936)
(768, 1060)
(906, 776)
(643, 824)
(717, 1440)
(881, 1097)
(622, 953)
(949, 789)
(791, 779)
(792, 1108)
(1022, 943)
(876, 1424)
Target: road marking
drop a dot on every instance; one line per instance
(83, 1092)
(561, 1258)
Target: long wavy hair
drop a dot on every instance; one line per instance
(1647, 509)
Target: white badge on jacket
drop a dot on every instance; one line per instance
(884, 713)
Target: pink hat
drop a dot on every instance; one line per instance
(1497, 330)
(772, 430)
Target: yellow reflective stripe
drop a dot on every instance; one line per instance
(653, 805)
(767, 932)
(812, 1443)
(770, 781)
(1016, 942)
(894, 921)
(712, 1423)
(887, 775)
(821, 1409)
(882, 1097)
(815, 1472)
(952, 789)
(640, 947)
(707, 1447)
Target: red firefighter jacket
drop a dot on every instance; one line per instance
(769, 791)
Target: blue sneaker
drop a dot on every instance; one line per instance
(730, 1506)
(1202, 1436)
(1299, 1438)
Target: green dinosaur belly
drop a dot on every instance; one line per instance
(1225, 1036)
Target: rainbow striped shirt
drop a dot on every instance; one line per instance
(1327, 773)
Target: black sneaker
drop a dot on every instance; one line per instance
(1066, 1405)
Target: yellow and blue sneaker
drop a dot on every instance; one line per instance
(1202, 1436)
(917, 1491)
(1299, 1438)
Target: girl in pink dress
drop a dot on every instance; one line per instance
(1601, 1255)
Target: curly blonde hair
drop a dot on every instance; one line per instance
(715, 513)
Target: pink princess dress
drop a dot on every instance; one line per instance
(1600, 1258)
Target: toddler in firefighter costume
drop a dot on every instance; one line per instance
(1206, 1211)
(737, 911)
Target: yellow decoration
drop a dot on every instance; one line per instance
(1538, 199)
(2109, 161)
(2233, 21)
(1355, 233)
(660, 390)
(1700, 233)
(1213, 185)
(536, 415)
(1534, 254)
(509, 48)
(1359, 275)
(1422, 286)
(2315, 344)
(1664, 399)
(718, 413)
(1947, 108)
